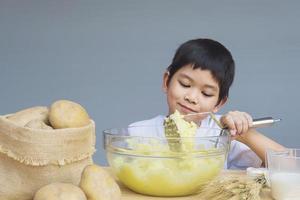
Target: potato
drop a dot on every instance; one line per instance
(97, 184)
(22, 117)
(67, 114)
(59, 191)
(38, 124)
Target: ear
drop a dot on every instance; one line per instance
(165, 81)
(220, 105)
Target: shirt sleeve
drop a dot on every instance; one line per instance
(241, 157)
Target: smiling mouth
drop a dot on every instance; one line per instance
(187, 109)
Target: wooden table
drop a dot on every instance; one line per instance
(130, 195)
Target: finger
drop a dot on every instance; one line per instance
(228, 122)
(235, 116)
(238, 124)
(245, 124)
(249, 119)
(233, 137)
(233, 133)
(241, 121)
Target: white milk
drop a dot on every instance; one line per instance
(285, 186)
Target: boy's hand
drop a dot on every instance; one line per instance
(237, 122)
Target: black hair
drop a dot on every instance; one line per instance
(206, 54)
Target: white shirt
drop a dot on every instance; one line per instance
(239, 156)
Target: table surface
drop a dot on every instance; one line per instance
(130, 195)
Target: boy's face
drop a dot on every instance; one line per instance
(192, 90)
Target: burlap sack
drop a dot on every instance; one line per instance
(32, 158)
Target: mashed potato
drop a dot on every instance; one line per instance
(165, 175)
(176, 126)
(152, 168)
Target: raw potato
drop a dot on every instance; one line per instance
(23, 117)
(67, 114)
(59, 191)
(97, 184)
(38, 124)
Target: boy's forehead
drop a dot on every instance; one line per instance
(195, 72)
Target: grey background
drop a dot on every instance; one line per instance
(110, 56)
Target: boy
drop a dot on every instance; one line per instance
(198, 80)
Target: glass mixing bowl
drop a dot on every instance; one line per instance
(141, 158)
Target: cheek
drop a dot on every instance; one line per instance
(174, 93)
(173, 97)
(207, 104)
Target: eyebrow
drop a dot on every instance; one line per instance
(205, 85)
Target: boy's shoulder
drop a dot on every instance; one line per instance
(148, 128)
(155, 121)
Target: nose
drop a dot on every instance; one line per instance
(191, 98)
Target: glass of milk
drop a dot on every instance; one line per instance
(284, 173)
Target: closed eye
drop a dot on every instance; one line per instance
(207, 95)
(184, 85)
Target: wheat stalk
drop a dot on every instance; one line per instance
(233, 188)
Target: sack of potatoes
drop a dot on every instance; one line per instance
(61, 114)
(44, 145)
